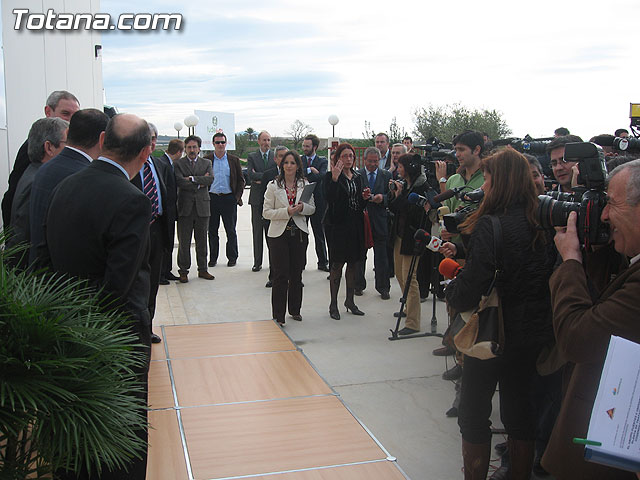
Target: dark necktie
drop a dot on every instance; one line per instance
(372, 180)
(309, 162)
(150, 190)
(266, 159)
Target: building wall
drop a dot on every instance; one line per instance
(39, 62)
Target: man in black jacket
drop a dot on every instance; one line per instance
(315, 169)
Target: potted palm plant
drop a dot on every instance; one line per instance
(66, 378)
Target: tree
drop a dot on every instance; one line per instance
(445, 122)
(297, 131)
(368, 133)
(396, 133)
(242, 142)
(251, 133)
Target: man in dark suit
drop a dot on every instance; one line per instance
(381, 141)
(82, 148)
(194, 176)
(151, 181)
(378, 181)
(47, 137)
(257, 163)
(583, 325)
(315, 169)
(174, 151)
(97, 229)
(225, 196)
(61, 104)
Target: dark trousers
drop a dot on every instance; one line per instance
(288, 253)
(258, 228)
(225, 206)
(380, 265)
(192, 224)
(318, 235)
(514, 372)
(167, 257)
(156, 252)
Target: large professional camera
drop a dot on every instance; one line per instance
(435, 150)
(588, 201)
(453, 220)
(628, 144)
(534, 146)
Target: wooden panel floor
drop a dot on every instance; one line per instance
(249, 403)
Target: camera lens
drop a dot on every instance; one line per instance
(554, 213)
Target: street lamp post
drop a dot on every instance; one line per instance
(191, 121)
(178, 126)
(333, 120)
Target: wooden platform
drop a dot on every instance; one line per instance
(238, 399)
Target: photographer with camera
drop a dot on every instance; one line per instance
(469, 146)
(407, 220)
(562, 170)
(583, 326)
(510, 195)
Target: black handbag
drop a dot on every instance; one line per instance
(482, 335)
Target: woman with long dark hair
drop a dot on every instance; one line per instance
(344, 224)
(407, 220)
(511, 196)
(288, 236)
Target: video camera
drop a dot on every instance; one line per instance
(628, 144)
(534, 146)
(435, 150)
(587, 201)
(453, 220)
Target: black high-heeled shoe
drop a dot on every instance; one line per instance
(354, 309)
(333, 312)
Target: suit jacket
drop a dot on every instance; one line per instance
(193, 194)
(169, 177)
(236, 179)
(19, 166)
(321, 164)
(378, 213)
(20, 228)
(387, 163)
(65, 164)
(256, 169)
(161, 170)
(275, 208)
(582, 329)
(97, 228)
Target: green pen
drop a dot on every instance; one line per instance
(584, 441)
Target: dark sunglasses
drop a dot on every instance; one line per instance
(220, 142)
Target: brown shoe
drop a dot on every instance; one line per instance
(205, 275)
(443, 351)
(183, 278)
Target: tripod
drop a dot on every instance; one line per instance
(418, 250)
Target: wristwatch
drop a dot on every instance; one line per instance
(443, 180)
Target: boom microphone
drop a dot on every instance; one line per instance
(449, 268)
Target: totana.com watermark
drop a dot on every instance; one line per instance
(98, 21)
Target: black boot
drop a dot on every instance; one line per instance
(476, 460)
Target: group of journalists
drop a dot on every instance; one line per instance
(566, 272)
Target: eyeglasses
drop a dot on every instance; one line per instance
(220, 142)
(562, 161)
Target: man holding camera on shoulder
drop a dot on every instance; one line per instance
(583, 326)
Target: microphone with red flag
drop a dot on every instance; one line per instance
(449, 268)
(434, 242)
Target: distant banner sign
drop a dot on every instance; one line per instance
(213, 122)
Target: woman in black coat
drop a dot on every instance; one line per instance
(408, 218)
(510, 195)
(344, 224)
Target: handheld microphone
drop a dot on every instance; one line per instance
(449, 268)
(447, 194)
(434, 242)
(415, 199)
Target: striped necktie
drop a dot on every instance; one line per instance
(150, 190)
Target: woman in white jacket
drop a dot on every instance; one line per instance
(288, 236)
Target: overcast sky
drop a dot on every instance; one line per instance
(543, 64)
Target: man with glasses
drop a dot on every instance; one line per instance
(561, 169)
(225, 195)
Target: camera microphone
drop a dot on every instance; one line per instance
(474, 195)
(447, 194)
(449, 268)
(434, 242)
